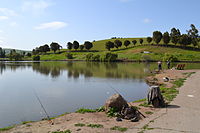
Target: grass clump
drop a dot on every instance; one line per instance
(169, 93)
(26, 122)
(178, 83)
(141, 100)
(149, 113)
(95, 125)
(79, 125)
(6, 128)
(144, 104)
(121, 129)
(112, 112)
(83, 110)
(101, 109)
(67, 131)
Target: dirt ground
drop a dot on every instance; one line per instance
(68, 121)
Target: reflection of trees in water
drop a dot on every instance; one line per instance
(46, 69)
(13, 66)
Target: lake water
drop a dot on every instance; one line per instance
(65, 87)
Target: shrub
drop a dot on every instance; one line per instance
(170, 57)
(69, 56)
(89, 57)
(109, 57)
(36, 58)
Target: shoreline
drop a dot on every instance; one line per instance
(100, 117)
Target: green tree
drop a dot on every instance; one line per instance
(193, 34)
(174, 35)
(166, 38)
(75, 45)
(134, 42)
(88, 45)
(109, 45)
(81, 47)
(149, 40)
(2, 53)
(126, 43)
(69, 45)
(46, 48)
(157, 36)
(117, 43)
(141, 41)
(185, 40)
(55, 46)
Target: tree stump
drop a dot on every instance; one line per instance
(155, 97)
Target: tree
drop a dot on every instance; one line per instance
(157, 36)
(117, 43)
(141, 41)
(75, 45)
(185, 40)
(149, 39)
(55, 46)
(46, 48)
(174, 35)
(81, 47)
(69, 45)
(166, 38)
(109, 45)
(193, 34)
(88, 45)
(126, 43)
(134, 42)
(2, 53)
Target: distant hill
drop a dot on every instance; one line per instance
(7, 50)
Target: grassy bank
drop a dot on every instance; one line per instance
(134, 53)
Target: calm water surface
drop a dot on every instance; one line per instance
(65, 87)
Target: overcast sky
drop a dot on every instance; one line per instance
(25, 24)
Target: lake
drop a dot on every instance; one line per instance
(66, 86)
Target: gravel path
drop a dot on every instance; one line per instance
(183, 114)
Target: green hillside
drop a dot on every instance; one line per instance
(7, 50)
(100, 45)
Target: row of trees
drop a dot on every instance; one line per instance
(75, 45)
(55, 46)
(45, 48)
(192, 37)
(117, 43)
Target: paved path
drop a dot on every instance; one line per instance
(183, 116)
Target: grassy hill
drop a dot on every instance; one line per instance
(100, 45)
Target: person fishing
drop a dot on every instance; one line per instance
(168, 64)
(159, 65)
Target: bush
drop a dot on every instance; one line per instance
(169, 57)
(36, 58)
(69, 56)
(109, 57)
(89, 57)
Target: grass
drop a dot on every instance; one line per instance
(141, 100)
(26, 122)
(83, 110)
(117, 128)
(79, 125)
(149, 113)
(6, 128)
(144, 104)
(95, 125)
(67, 131)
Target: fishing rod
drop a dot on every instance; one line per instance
(48, 117)
(121, 95)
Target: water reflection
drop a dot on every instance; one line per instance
(88, 69)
